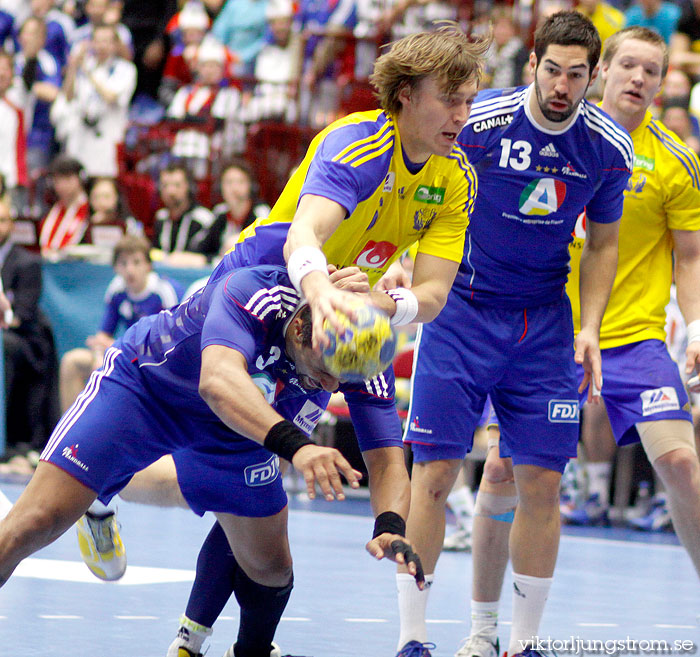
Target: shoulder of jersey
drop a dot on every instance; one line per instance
(492, 103)
(163, 288)
(361, 137)
(116, 285)
(609, 130)
(682, 158)
(268, 290)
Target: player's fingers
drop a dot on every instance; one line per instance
(352, 476)
(375, 549)
(310, 480)
(401, 547)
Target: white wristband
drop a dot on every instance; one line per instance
(693, 331)
(303, 261)
(406, 306)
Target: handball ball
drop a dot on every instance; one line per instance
(366, 348)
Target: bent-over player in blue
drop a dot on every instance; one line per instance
(227, 382)
(542, 153)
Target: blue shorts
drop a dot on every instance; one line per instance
(522, 359)
(641, 383)
(118, 426)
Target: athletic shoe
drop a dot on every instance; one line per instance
(591, 512)
(101, 546)
(658, 519)
(184, 652)
(275, 652)
(416, 649)
(459, 541)
(478, 646)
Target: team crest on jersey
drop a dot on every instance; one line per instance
(636, 183)
(493, 122)
(423, 218)
(659, 400)
(542, 197)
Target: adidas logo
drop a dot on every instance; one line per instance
(549, 150)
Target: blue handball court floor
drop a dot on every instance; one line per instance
(610, 584)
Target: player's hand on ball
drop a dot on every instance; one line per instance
(324, 299)
(398, 549)
(323, 466)
(351, 279)
(365, 348)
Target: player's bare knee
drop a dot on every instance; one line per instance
(498, 470)
(434, 479)
(275, 571)
(539, 491)
(680, 469)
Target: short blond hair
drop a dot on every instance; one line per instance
(447, 54)
(612, 44)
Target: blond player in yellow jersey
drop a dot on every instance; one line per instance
(642, 389)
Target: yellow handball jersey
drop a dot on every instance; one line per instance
(358, 163)
(662, 195)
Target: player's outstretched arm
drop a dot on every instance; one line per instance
(390, 492)
(432, 280)
(315, 221)
(686, 249)
(597, 273)
(233, 396)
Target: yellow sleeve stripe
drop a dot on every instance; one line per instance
(363, 145)
(680, 151)
(372, 155)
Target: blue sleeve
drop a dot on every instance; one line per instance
(343, 183)
(110, 318)
(228, 323)
(373, 412)
(606, 206)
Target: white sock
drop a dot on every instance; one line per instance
(5, 505)
(461, 501)
(412, 605)
(99, 509)
(190, 635)
(485, 620)
(599, 481)
(529, 597)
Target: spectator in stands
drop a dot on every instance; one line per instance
(212, 103)
(109, 218)
(13, 144)
(182, 225)
(192, 24)
(134, 292)
(241, 26)
(657, 15)
(675, 116)
(91, 111)
(604, 16)
(7, 30)
(30, 358)
(67, 220)
(685, 42)
(42, 81)
(677, 89)
(239, 209)
(100, 12)
(59, 29)
(327, 59)
(146, 22)
(277, 68)
(508, 55)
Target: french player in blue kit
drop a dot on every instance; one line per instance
(222, 382)
(542, 153)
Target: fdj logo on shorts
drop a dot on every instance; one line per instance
(563, 410)
(542, 196)
(425, 194)
(263, 473)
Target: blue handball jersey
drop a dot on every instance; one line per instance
(123, 308)
(248, 311)
(533, 184)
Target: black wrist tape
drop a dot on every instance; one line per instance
(284, 439)
(389, 523)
